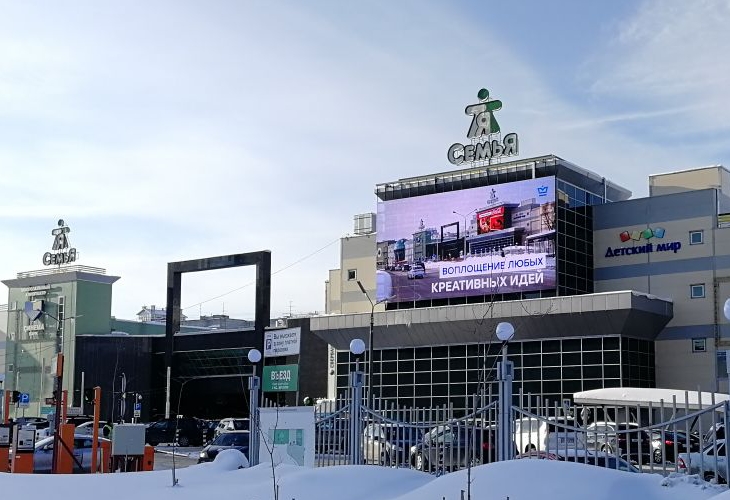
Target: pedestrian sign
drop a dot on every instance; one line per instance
(24, 400)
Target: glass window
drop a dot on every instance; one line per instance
(696, 237)
(697, 291)
(351, 274)
(699, 345)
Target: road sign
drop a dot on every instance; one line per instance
(137, 410)
(24, 401)
(280, 378)
(282, 342)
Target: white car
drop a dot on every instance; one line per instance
(710, 463)
(87, 429)
(418, 271)
(231, 424)
(533, 434)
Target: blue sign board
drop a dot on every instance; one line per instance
(24, 400)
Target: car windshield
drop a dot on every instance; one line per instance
(232, 439)
(240, 425)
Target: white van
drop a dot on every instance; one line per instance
(533, 434)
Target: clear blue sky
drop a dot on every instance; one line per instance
(172, 130)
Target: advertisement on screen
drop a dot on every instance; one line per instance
(479, 241)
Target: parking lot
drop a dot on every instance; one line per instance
(183, 457)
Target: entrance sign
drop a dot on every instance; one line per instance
(280, 378)
(282, 342)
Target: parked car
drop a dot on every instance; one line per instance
(189, 430)
(710, 463)
(664, 444)
(454, 447)
(600, 459)
(43, 454)
(603, 436)
(636, 445)
(231, 424)
(237, 440)
(629, 440)
(209, 427)
(551, 434)
(87, 429)
(388, 444)
(416, 272)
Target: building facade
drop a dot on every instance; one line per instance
(47, 310)
(601, 311)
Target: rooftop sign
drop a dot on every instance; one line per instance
(485, 134)
(61, 253)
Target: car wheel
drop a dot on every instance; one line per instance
(152, 442)
(607, 448)
(709, 477)
(529, 448)
(421, 462)
(385, 459)
(183, 441)
(658, 456)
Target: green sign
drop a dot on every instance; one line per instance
(280, 378)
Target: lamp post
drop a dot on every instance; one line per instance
(357, 347)
(465, 230)
(505, 332)
(370, 340)
(254, 382)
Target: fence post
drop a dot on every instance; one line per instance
(505, 370)
(254, 383)
(356, 385)
(725, 424)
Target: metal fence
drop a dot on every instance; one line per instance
(664, 438)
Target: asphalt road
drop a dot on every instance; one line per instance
(184, 457)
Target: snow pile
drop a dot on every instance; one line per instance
(518, 480)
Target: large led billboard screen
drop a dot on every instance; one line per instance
(478, 241)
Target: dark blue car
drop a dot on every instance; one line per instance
(236, 440)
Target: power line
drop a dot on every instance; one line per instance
(273, 273)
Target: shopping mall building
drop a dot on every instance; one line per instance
(603, 290)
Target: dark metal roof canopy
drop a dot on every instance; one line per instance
(627, 313)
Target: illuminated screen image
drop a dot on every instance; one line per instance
(479, 241)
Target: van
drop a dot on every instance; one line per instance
(547, 434)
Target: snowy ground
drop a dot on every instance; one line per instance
(519, 479)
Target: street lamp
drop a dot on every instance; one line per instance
(370, 340)
(254, 382)
(505, 331)
(357, 347)
(465, 230)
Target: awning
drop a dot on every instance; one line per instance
(637, 396)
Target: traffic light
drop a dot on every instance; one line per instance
(89, 395)
(15, 397)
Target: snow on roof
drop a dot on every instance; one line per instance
(638, 396)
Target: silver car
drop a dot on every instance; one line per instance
(43, 454)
